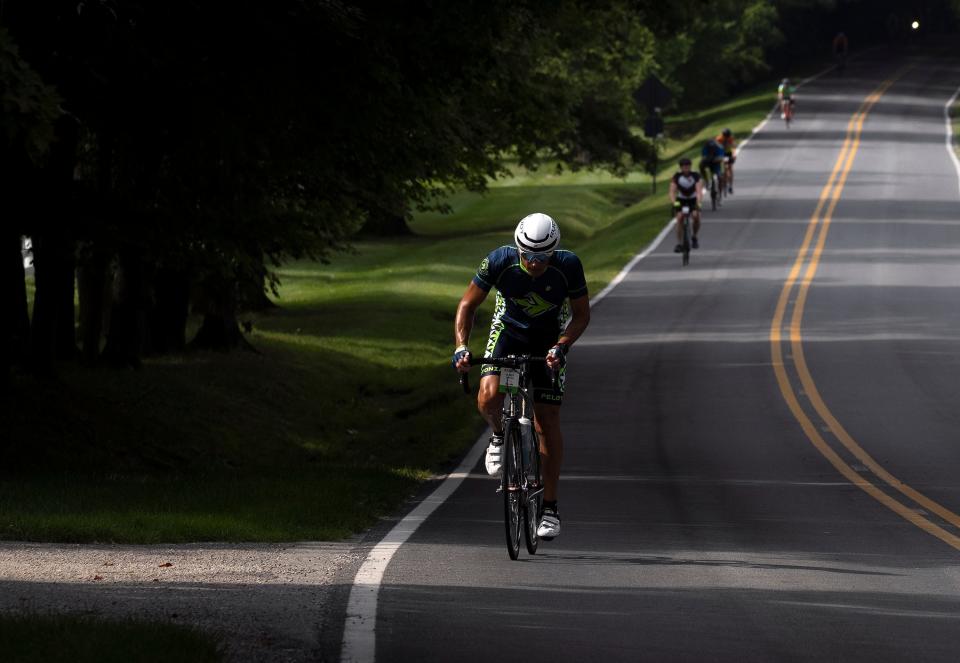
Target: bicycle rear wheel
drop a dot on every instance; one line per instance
(713, 193)
(686, 240)
(511, 484)
(531, 514)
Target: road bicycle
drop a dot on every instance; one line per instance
(685, 224)
(521, 481)
(786, 109)
(727, 176)
(841, 59)
(716, 187)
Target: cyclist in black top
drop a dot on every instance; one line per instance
(686, 190)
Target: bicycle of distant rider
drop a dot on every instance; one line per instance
(714, 190)
(521, 482)
(786, 109)
(685, 212)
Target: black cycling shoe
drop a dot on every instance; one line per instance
(694, 242)
(678, 248)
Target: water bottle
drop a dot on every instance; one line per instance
(526, 437)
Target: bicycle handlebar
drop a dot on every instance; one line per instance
(503, 362)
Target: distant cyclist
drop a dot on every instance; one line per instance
(711, 159)
(785, 94)
(541, 309)
(686, 190)
(729, 144)
(840, 47)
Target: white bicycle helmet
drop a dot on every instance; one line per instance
(537, 233)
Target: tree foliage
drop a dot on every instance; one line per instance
(183, 149)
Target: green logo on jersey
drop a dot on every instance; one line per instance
(484, 267)
(533, 304)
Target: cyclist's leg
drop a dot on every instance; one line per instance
(679, 218)
(489, 398)
(696, 221)
(490, 401)
(547, 421)
(547, 400)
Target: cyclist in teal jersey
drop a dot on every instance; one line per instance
(541, 309)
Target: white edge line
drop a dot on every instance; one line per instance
(359, 637)
(950, 147)
(633, 261)
(359, 643)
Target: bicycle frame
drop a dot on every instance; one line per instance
(521, 483)
(686, 213)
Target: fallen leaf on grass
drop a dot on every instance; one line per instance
(164, 566)
(109, 564)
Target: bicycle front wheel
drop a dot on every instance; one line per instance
(531, 514)
(512, 489)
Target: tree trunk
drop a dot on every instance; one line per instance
(168, 317)
(14, 336)
(95, 291)
(385, 224)
(253, 296)
(53, 262)
(127, 332)
(220, 329)
(66, 334)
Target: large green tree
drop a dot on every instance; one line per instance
(179, 151)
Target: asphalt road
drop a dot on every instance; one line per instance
(701, 520)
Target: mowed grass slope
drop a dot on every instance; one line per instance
(348, 407)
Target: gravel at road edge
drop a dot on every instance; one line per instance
(267, 602)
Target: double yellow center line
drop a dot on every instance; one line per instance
(873, 478)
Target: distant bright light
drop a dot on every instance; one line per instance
(915, 25)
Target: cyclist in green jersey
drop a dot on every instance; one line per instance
(785, 95)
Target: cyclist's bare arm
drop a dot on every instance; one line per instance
(463, 324)
(673, 192)
(580, 318)
(699, 192)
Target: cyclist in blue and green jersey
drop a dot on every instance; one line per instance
(541, 309)
(711, 159)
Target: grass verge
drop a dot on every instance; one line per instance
(72, 639)
(351, 403)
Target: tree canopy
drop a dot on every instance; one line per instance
(184, 148)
